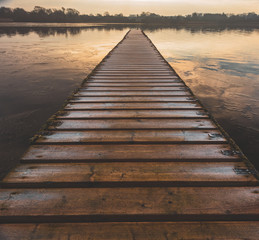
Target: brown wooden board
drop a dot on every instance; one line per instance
(133, 136)
(132, 85)
(134, 124)
(132, 152)
(152, 174)
(111, 70)
(136, 105)
(133, 114)
(134, 71)
(132, 93)
(129, 78)
(125, 231)
(129, 204)
(130, 88)
(104, 66)
(133, 81)
(159, 74)
(133, 99)
(109, 66)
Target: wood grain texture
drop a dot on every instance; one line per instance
(133, 136)
(131, 88)
(129, 204)
(132, 93)
(137, 105)
(138, 231)
(133, 99)
(129, 174)
(149, 82)
(132, 152)
(132, 84)
(134, 114)
(134, 124)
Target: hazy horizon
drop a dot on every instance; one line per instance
(162, 7)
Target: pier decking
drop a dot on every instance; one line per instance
(133, 155)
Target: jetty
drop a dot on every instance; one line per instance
(132, 155)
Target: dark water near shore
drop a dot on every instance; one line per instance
(42, 64)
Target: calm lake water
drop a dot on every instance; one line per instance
(42, 64)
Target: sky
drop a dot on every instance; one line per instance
(163, 7)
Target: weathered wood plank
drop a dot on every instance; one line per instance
(133, 114)
(132, 152)
(133, 99)
(133, 84)
(134, 124)
(138, 74)
(105, 66)
(121, 204)
(132, 81)
(130, 88)
(82, 93)
(133, 136)
(163, 69)
(129, 78)
(126, 231)
(135, 61)
(152, 174)
(124, 106)
(134, 70)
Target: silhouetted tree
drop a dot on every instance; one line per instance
(41, 14)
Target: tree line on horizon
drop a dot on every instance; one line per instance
(70, 15)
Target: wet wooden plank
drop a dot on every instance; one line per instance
(134, 66)
(125, 231)
(123, 106)
(134, 124)
(132, 152)
(140, 60)
(133, 136)
(121, 204)
(133, 114)
(133, 81)
(131, 88)
(82, 93)
(133, 84)
(129, 78)
(135, 61)
(105, 66)
(127, 64)
(133, 71)
(133, 99)
(152, 174)
(138, 74)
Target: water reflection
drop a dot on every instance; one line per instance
(222, 68)
(47, 31)
(37, 74)
(41, 65)
(52, 29)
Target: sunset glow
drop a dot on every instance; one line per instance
(163, 7)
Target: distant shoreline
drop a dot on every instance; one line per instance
(70, 15)
(86, 24)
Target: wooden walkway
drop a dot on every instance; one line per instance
(133, 155)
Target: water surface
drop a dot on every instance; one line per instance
(222, 69)
(41, 65)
